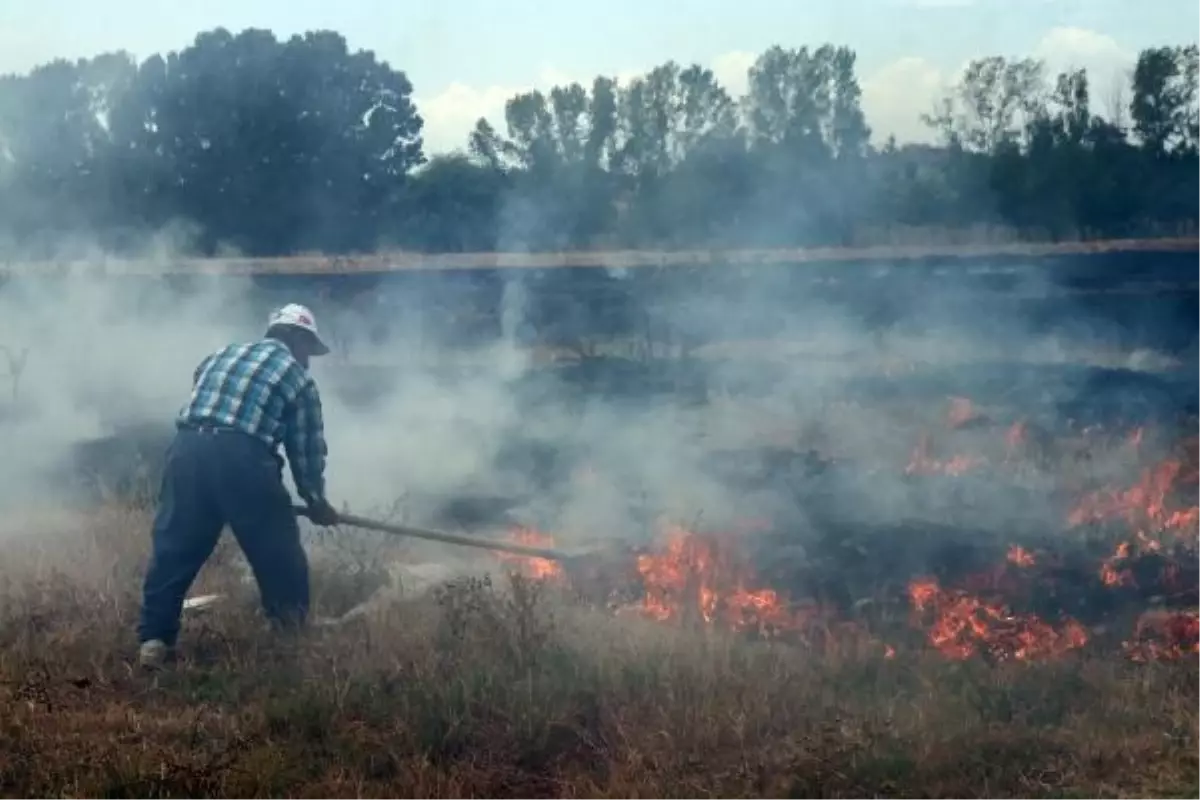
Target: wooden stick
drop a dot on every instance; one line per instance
(450, 538)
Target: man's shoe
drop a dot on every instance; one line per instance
(154, 654)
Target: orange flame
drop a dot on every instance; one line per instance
(1110, 570)
(1146, 504)
(695, 574)
(1165, 635)
(922, 463)
(1020, 556)
(964, 625)
(701, 577)
(538, 568)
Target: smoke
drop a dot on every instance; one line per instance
(603, 446)
(100, 354)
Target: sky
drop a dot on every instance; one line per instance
(466, 57)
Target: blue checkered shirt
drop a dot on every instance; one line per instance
(260, 388)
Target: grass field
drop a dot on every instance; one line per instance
(896, 242)
(515, 686)
(508, 688)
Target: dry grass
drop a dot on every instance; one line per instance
(505, 690)
(894, 242)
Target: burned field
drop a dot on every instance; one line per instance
(990, 535)
(952, 582)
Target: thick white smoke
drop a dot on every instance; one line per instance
(490, 422)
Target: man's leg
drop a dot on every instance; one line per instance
(253, 498)
(187, 526)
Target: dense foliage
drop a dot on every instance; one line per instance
(248, 143)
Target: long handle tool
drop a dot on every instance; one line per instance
(451, 538)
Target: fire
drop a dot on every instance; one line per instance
(1111, 572)
(1147, 505)
(1020, 556)
(1165, 635)
(964, 625)
(700, 578)
(922, 463)
(696, 574)
(703, 579)
(539, 568)
(1151, 508)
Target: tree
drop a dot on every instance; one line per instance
(804, 116)
(991, 103)
(1164, 104)
(54, 132)
(252, 144)
(452, 205)
(674, 126)
(556, 152)
(273, 147)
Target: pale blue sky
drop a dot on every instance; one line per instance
(465, 56)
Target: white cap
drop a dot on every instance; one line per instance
(299, 316)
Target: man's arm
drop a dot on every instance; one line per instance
(305, 444)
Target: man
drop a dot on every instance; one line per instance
(223, 467)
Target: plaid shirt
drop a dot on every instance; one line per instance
(261, 389)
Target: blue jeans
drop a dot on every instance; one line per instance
(213, 477)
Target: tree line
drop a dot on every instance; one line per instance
(251, 144)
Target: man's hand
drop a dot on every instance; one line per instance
(322, 513)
